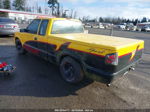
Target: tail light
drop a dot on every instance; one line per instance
(1, 26)
(112, 59)
(15, 26)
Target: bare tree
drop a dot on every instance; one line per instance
(71, 13)
(75, 14)
(39, 10)
(65, 13)
(1, 6)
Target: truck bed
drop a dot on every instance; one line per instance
(116, 44)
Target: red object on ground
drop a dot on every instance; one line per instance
(2, 65)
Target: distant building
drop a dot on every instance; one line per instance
(20, 16)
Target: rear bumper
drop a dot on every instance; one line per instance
(106, 77)
(8, 32)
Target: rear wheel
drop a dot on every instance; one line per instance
(71, 70)
(19, 47)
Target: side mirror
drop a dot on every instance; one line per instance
(23, 30)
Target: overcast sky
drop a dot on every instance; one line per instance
(107, 8)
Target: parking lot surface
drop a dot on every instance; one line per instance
(36, 84)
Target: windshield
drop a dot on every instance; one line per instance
(6, 20)
(67, 26)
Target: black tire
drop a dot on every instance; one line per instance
(19, 47)
(71, 70)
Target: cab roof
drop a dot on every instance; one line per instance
(56, 18)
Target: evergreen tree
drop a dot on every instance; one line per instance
(101, 19)
(144, 20)
(119, 21)
(53, 4)
(19, 4)
(136, 22)
(6, 4)
(128, 21)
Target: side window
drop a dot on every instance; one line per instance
(43, 27)
(33, 27)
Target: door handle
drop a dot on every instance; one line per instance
(35, 38)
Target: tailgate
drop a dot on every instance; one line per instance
(129, 54)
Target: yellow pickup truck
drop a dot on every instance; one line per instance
(63, 42)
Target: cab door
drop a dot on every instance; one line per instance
(30, 36)
(42, 44)
(47, 49)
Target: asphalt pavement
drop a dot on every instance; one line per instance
(36, 84)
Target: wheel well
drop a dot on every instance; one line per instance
(62, 57)
(16, 38)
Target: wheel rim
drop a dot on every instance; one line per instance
(68, 72)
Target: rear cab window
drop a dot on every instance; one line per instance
(43, 27)
(67, 26)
